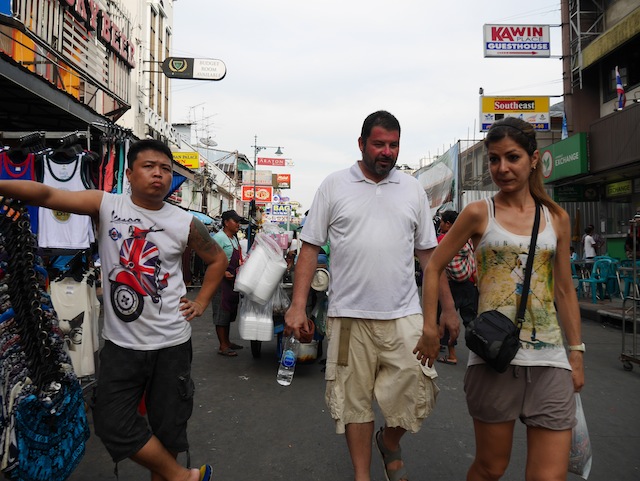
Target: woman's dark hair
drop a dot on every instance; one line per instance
(147, 144)
(523, 134)
(381, 118)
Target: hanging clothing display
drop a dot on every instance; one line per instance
(43, 425)
(14, 165)
(57, 229)
(78, 310)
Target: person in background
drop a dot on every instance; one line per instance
(538, 388)
(589, 243)
(574, 255)
(147, 346)
(226, 310)
(376, 218)
(460, 274)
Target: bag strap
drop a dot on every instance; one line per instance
(528, 269)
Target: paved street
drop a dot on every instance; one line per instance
(250, 428)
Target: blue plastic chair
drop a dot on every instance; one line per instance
(627, 278)
(601, 273)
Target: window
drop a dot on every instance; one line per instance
(627, 59)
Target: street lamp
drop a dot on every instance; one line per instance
(252, 204)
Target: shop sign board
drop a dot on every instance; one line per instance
(616, 189)
(273, 161)
(566, 158)
(194, 68)
(569, 193)
(281, 209)
(264, 193)
(188, 159)
(95, 18)
(509, 41)
(532, 109)
(263, 177)
(283, 181)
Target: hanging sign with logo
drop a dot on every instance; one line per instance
(194, 68)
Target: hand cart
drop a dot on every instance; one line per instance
(631, 310)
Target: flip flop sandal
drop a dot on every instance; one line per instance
(228, 352)
(236, 347)
(446, 360)
(389, 456)
(206, 473)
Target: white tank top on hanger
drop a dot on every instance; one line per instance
(62, 230)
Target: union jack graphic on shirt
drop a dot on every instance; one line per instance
(138, 275)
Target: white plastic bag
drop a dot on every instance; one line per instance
(262, 272)
(580, 456)
(281, 301)
(255, 321)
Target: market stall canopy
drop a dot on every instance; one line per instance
(205, 219)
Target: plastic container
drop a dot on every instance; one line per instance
(308, 351)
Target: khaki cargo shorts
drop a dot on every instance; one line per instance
(380, 366)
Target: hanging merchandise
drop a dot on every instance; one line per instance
(19, 163)
(78, 309)
(44, 425)
(62, 230)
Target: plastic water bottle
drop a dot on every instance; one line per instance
(288, 362)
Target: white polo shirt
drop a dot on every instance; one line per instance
(373, 230)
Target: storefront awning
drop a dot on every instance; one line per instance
(205, 219)
(31, 103)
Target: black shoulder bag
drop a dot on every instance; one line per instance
(492, 335)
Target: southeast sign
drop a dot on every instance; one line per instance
(531, 41)
(532, 109)
(194, 68)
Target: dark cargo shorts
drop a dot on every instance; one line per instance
(164, 377)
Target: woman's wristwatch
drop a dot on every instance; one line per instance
(578, 347)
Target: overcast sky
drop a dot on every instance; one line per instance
(304, 75)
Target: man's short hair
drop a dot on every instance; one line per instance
(381, 118)
(147, 144)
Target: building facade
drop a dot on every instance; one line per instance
(594, 173)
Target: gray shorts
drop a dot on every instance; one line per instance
(164, 377)
(540, 396)
(221, 317)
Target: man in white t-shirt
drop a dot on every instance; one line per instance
(376, 219)
(147, 318)
(589, 243)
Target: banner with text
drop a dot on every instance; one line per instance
(274, 161)
(531, 41)
(188, 159)
(566, 158)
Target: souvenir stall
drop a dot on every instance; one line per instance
(44, 423)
